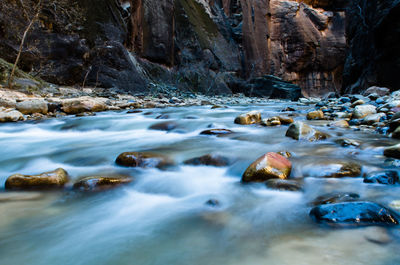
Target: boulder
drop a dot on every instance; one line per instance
(164, 126)
(11, 116)
(335, 198)
(83, 104)
(98, 183)
(268, 166)
(353, 214)
(362, 111)
(315, 115)
(285, 120)
(51, 179)
(273, 121)
(208, 160)
(381, 91)
(301, 131)
(392, 151)
(389, 177)
(248, 118)
(349, 169)
(32, 106)
(340, 124)
(284, 184)
(344, 142)
(373, 118)
(143, 159)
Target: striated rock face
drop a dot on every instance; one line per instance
(373, 31)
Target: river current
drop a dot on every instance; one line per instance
(162, 217)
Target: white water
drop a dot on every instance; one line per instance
(161, 217)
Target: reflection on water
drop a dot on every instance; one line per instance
(162, 217)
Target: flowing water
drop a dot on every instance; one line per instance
(161, 217)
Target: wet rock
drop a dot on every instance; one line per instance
(335, 198)
(349, 169)
(285, 120)
(373, 118)
(286, 154)
(357, 102)
(51, 179)
(19, 196)
(301, 131)
(315, 115)
(251, 117)
(381, 91)
(164, 126)
(344, 99)
(268, 166)
(395, 205)
(217, 132)
(11, 116)
(388, 177)
(284, 184)
(362, 111)
(98, 183)
(340, 124)
(143, 159)
(353, 214)
(83, 104)
(32, 106)
(273, 121)
(133, 111)
(344, 142)
(392, 151)
(396, 133)
(209, 160)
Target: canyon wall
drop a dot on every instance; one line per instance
(207, 46)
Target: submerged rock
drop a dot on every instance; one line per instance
(216, 132)
(164, 126)
(392, 151)
(389, 177)
(142, 159)
(335, 198)
(51, 179)
(97, 183)
(19, 196)
(268, 166)
(349, 169)
(353, 214)
(344, 142)
(209, 160)
(301, 131)
(251, 117)
(284, 184)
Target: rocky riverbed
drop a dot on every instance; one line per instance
(199, 180)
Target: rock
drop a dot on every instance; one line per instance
(32, 106)
(301, 131)
(396, 133)
(19, 196)
(315, 115)
(213, 203)
(340, 124)
(98, 183)
(284, 184)
(392, 151)
(344, 99)
(395, 205)
(286, 154)
(248, 118)
(362, 111)
(273, 121)
(142, 159)
(51, 179)
(389, 177)
(344, 142)
(373, 118)
(163, 117)
(218, 132)
(164, 126)
(353, 214)
(11, 116)
(335, 198)
(209, 160)
(349, 169)
(380, 91)
(83, 104)
(357, 103)
(285, 120)
(268, 166)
